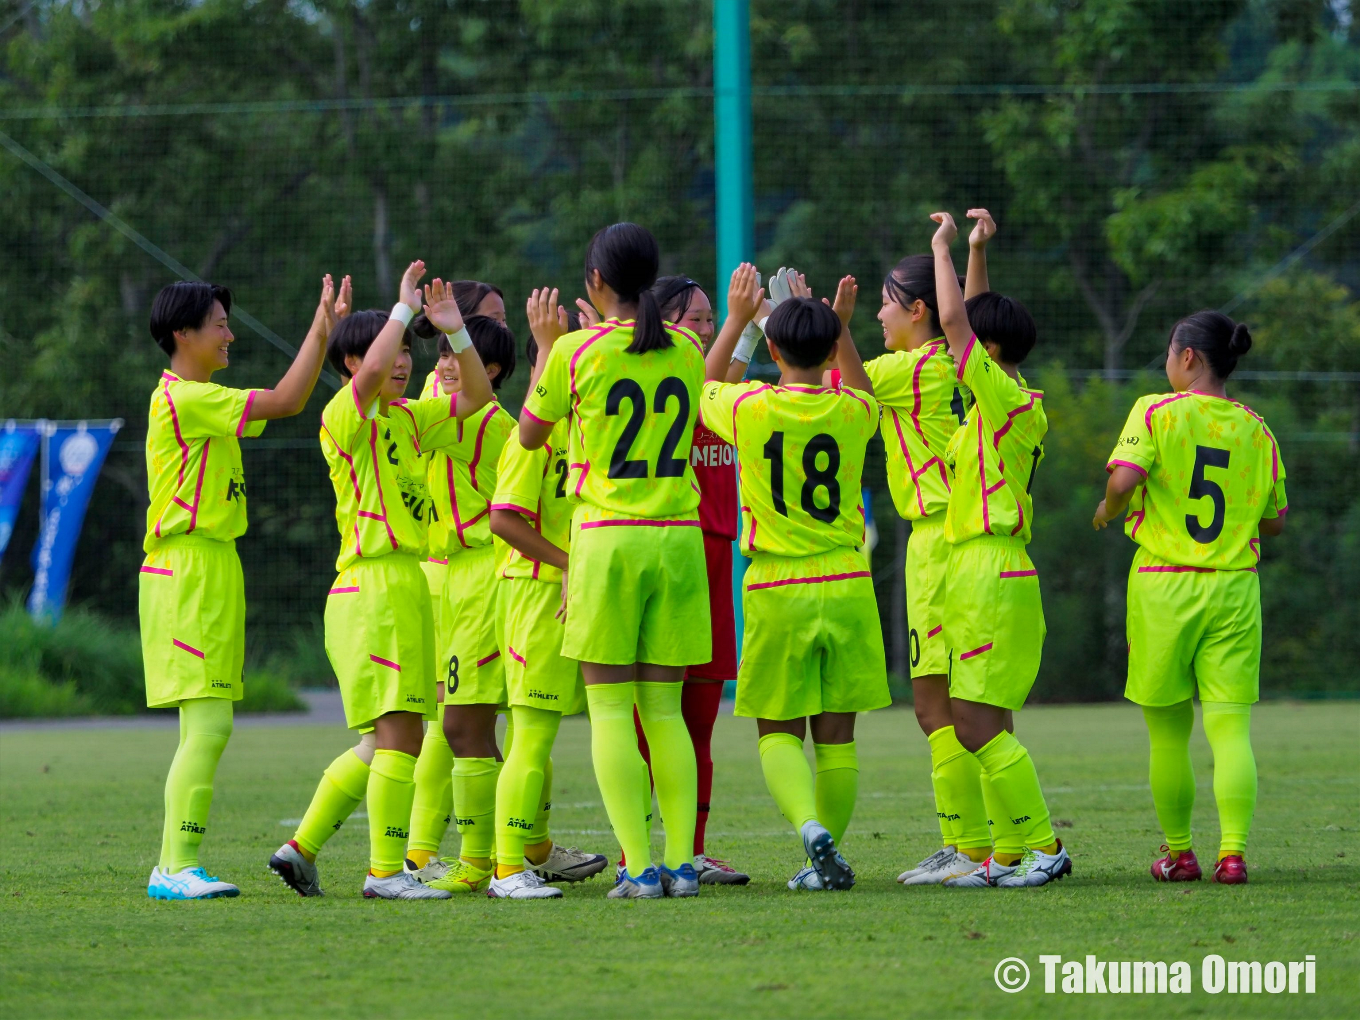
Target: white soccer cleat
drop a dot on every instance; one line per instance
(567, 864)
(646, 886)
(298, 873)
(715, 872)
(982, 876)
(1037, 868)
(433, 871)
(189, 884)
(956, 865)
(400, 886)
(825, 858)
(931, 863)
(808, 880)
(522, 885)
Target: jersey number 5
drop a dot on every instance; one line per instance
(814, 476)
(667, 464)
(1207, 457)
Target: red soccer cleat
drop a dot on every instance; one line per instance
(1232, 870)
(1181, 868)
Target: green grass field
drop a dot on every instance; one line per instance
(81, 813)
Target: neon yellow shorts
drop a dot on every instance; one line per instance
(812, 641)
(926, 568)
(469, 659)
(434, 571)
(637, 591)
(993, 621)
(530, 636)
(192, 602)
(1189, 628)
(380, 639)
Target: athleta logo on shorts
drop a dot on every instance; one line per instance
(191, 827)
(519, 823)
(543, 696)
(397, 832)
(226, 684)
(414, 700)
(713, 455)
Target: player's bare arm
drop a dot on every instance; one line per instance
(848, 359)
(372, 375)
(744, 299)
(1119, 489)
(293, 391)
(512, 529)
(441, 308)
(983, 231)
(953, 315)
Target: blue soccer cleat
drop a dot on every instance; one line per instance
(189, 884)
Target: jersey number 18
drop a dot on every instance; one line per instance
(814, 477)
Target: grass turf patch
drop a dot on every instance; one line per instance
(81, 814)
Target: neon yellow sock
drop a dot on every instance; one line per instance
(1015, 785)
(391, 788)
(957, 778)
(1006, 838)
(1170, 772)
(540, 831)
(1228, 727)
(788, 777)
(674, 767)
(519, 790)
(204, 729)
(619, 769)
(433, 803)
(474, 806)
(837, 786)
(341, 789)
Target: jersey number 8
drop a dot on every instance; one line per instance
(814, 477)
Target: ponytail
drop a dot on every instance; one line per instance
(628, 259)
(1220, 340)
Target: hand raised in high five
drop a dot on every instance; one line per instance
(410, 289)
(589, 316)
(798, 285)
(744, 293)
(332, 311)
(946, 232)
(441, 308)
(844, 305)
(547, 319)
(984, 230)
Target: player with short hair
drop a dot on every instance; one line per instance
(1201, 478)
(993, 612)
(637, 590)
(812, 650)
(378, 615)
(191, 594)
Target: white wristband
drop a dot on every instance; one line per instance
(401, 311)
(459, 341)
(746, 345)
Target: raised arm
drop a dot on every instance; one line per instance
(953, 316)
(547, 322)
(442, 310)
(848, 359)
(382, 353)
(744, 298)
(1119, 489)
(292, 392)
(983, 231)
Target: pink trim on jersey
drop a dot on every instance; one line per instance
(1175, 569)
(1140, 515)
(491, 658)
(400, 405)
(528, 413)
(750, 538)
(967, 352)
(1109, 468)
(585, 468)
(604, 329)
(1020, 573)
(809, 580)
(188, 648)
(1020, 511)
(453, 500)
(1254, 544)
(916, 392)
(245, 415)
(1274, 448)
(382, 500)
(354, 392)
(198, 487)
(354, 479)
(851, 393)
(516, 508)
(344, 591)
(1282, 511)
(469, 523)
(158, 570)
(166, 380)
(384, 662)
(976, 651)
(1147, 418)
(636, 523)
(809, 388)
(932, 633)
(431, 559)
(510, 651)
(982, 480)
(1010, 417)
(477, 445)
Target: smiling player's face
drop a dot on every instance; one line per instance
(698, 316)
(401, 375)
(208, 344)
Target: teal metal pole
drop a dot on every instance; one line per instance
(732, 177)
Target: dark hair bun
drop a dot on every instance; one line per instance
(1240, 342)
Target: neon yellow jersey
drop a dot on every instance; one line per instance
(632, 419)
(462, 478)
(800, 457)
(193, 460)
(1211, 470)
(533, 483)
(995, 454)
(923, 406)
(382, 504)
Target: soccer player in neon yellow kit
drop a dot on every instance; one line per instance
(1201, 478)
(191, 592)
(993, 613)
(378, 615)
(637, 590)
(812, 652)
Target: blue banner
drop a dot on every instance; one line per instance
(18, 444)
(71, 461)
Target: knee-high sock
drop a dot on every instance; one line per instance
(1228, 727)
(957, 779)
(341, 789)
(204, 729)
(699, 705)
(645, 750)
(1170, 772)
(542, 829)
(676, 773)
(433, 802)
(519, 790)
(788, 777)
(619, 769)
(1015, 784)
(391, 788)
(474, 805)
(837, 786)
(1007, 838)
